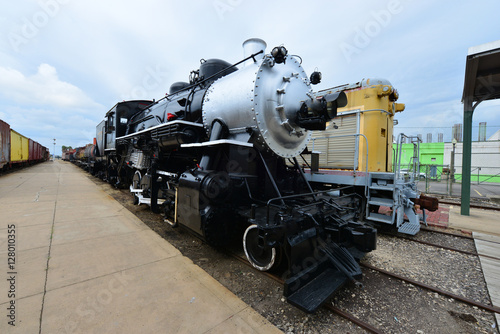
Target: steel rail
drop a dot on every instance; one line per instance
(423, 228)
(475, 206)
(432, 244)
(490, 308)
(332, 308)
(446, 247)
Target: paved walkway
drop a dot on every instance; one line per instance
(488, 246)
(73, 260)
(487, 221)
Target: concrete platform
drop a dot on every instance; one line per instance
(486, 221)
(85, 264)
(488, 248)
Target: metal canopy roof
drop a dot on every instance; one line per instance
(482, 73)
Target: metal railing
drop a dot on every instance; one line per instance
(355, 163)
(412, 170)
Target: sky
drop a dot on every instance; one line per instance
(65, 63)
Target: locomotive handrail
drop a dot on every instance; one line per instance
(414, 164)
(356, 158)
(359, 111)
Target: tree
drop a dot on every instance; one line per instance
(65, 148)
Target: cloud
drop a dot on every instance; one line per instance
(43, 88)
(41, 106)
(94, 53)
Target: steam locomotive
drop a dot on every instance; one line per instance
(218, 156)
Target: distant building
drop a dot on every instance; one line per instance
(496, 136)
(482, 132)
(457, 132)
(434, 157)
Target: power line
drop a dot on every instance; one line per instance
(439, 127)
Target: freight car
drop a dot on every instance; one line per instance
(212, 156)
(36, 152)
(68, 155)
(18, 150)
(85, 156)
(357, 149)
(4, 145)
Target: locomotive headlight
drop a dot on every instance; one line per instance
(315, 113)
(279, 54)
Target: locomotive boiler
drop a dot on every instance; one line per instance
(217, 155)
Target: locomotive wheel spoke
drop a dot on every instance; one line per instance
(261, 258)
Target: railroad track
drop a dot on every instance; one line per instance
(364, 324)
(475, 206)
(441, 246)
(486, 307)
(423, 228)
(330, 307)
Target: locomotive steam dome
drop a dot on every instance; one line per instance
(264, 95)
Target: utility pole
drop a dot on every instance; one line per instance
(54, 154)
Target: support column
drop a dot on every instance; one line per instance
(466, 157)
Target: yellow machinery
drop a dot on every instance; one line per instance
(362, 132)
(19, 147)
(357, 149)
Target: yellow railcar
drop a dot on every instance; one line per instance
(19, 147)
(360, 137)
(356, 150)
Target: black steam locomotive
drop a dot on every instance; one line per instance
(218, 156)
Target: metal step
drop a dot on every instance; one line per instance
(313, 294)
(381, 201)
(389, 187)
(382, 175)
(409, 228)
(379, 218)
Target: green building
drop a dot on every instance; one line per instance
(435, 160)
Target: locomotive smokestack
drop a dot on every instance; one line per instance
(251, 46)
